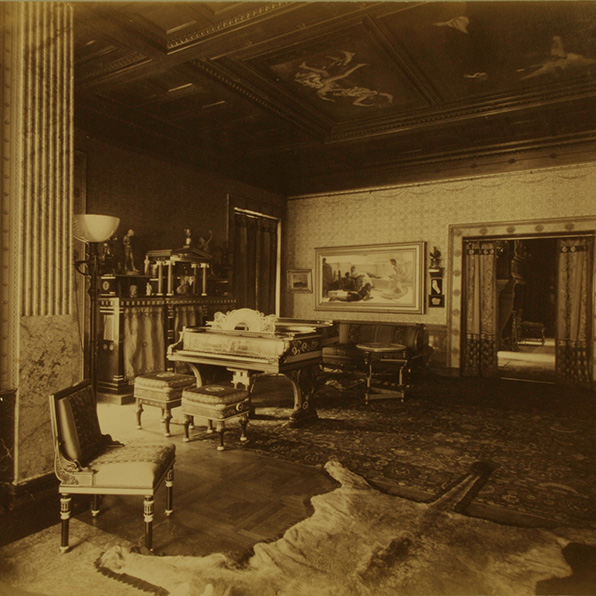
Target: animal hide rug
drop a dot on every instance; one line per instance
(362, 542)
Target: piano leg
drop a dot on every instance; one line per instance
(304, 381)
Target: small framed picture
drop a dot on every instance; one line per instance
(299, 280)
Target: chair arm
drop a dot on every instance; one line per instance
(70, 471)
(107, 441)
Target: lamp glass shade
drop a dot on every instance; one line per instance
(94, 228)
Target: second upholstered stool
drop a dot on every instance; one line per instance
(217, 403)
(162, 390)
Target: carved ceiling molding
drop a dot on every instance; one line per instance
(345, 132)
(230, 23)
(124, 63)
(209, 69)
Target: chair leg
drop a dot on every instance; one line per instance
(187, 420)
(243, 423)
(139, 412)
(170, 492)
(167, 416)
(148, 511)
(221, 429)
(95, 506)
(209, 427)
(65, 510)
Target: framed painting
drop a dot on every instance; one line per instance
(378, 278)
(299, 280)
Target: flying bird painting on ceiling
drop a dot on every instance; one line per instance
(457, 23)
(326, 80)
(558, 62)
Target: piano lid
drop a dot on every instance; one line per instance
(246, 319)
(250, 345)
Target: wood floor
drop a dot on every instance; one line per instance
(224, 501)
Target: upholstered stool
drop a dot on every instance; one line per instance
(217, 403)
(162, 390)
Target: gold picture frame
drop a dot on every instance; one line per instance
(373, 278)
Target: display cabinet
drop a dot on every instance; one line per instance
(177, 272)
(135, 332)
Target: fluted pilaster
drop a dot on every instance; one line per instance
(39, 347)
(47, 158)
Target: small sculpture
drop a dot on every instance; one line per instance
(188, 240)
(108, 261)
(435, 258)
(129, 261)
(204, 243)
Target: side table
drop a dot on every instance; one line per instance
(377, 388)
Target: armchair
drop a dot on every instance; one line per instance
(91, 463)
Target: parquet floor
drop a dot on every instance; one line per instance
(224, 501)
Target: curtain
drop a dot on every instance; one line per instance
(574, 311)
(255, 262)
(144, 345)
(479, 335)
(186, 315)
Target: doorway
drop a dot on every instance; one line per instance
(256, 260)
(473, 332)
(496, 306)
(527, 287)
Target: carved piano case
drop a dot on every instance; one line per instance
(248, 344)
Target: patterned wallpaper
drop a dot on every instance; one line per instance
(425, 212)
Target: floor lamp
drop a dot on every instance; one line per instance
(93, 230)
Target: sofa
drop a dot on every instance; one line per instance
(343, 360)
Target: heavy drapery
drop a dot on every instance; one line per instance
(144, 345)
(574, 311)
(479, 333)
(255, 261)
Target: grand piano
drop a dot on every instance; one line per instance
(249, 343)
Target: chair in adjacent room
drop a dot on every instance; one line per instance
(90, 463)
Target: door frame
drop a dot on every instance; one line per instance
(537, 228)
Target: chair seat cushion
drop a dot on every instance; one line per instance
(532, 325)
(343, 352)
(164, 381)
(216, 402)
(348, 353)
(136, 465)
(221, 394)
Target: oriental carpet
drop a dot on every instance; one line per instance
(538, 439)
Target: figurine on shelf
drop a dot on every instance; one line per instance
(204, 243)
(108, 260)
(435, 258)
(129, 261)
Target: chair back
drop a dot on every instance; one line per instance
(75, 425)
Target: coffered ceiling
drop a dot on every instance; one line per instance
(302, 97)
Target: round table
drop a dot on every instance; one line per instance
(371, 349)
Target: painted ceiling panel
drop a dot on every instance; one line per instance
(284, 90)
